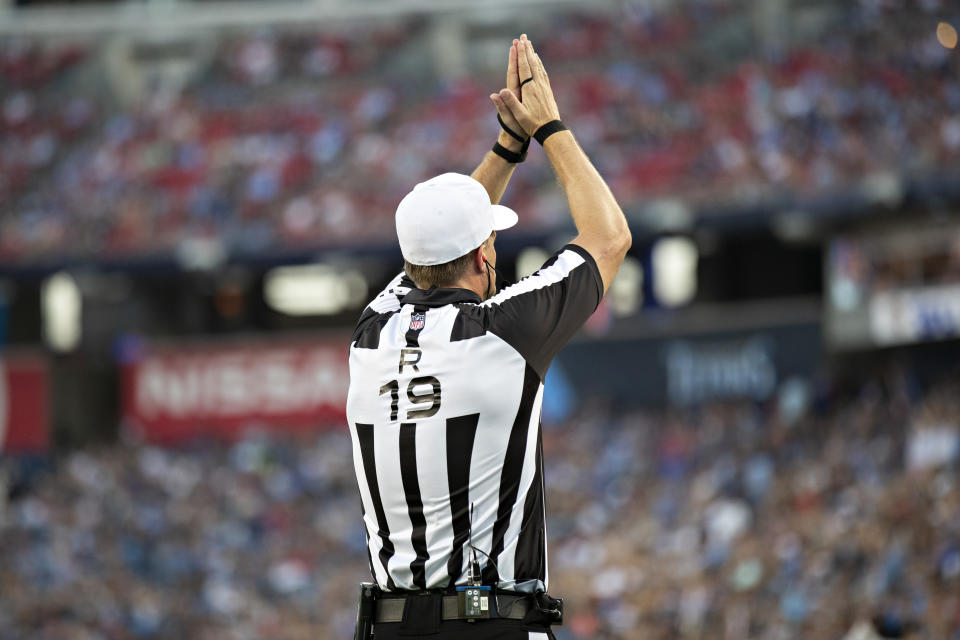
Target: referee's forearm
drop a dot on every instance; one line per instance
(593, 207)
(602, 228)
(494, 172)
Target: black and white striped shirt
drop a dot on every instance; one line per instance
(444, 413)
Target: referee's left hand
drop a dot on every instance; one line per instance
(513, 84)
(539, 106)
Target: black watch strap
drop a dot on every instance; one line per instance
(547, 130)
(511, 156)
(513, 134)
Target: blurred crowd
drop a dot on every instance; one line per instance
(285, 140)
(734, 522)
(807, 517)
(256, 540)
(916, 258)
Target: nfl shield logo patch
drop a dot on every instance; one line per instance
(417, 321)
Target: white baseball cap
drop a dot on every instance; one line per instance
(447, 217)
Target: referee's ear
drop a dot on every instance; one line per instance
(480, 257)
(480, 260)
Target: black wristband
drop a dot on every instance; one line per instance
(513, 134)
(511, 156)
(548, 130)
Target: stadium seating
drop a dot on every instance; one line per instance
(286, 140)
(731, 520)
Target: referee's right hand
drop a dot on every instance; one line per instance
(602, 228)
(538, 106)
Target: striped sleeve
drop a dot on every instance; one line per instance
(366, 335)
(389, 299)
(538, 315)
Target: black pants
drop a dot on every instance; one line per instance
(501, 629)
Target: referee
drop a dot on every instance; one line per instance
(446, 386)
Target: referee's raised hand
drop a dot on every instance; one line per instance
(533, 105)
(512, 85)
(601, 226)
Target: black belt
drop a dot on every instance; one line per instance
(389, 608)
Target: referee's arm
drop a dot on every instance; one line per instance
(494, 172)
(601, 226)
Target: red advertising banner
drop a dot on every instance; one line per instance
(24, 404)
(175, 392)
